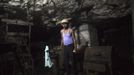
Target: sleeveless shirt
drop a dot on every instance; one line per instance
(67, 38)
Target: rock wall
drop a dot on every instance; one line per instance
(132, 43)
(88, 34)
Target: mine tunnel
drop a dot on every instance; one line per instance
(30, 37)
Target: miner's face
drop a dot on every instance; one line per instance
(65, 25)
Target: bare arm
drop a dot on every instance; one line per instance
(74, 40)
(61, 40)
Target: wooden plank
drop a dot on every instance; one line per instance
(95, 67)
(96, 58)
(16, 33)
(16, 22)
(98, 53)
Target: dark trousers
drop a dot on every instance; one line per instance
(68, 58)
(78, 61)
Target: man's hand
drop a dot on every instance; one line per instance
(75, 50)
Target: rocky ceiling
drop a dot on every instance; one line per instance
(51, 11)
